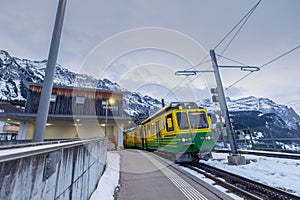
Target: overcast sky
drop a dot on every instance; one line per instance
(140, 44)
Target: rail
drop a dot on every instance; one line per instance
(241, 185)
(263, 153)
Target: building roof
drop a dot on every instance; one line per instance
(6, 107)
(31, 84)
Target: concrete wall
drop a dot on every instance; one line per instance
(72, 173)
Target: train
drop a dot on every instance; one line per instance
(180, 129)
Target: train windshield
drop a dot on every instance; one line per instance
(182, 120)
(198, 120)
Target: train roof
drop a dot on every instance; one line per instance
(172, 106)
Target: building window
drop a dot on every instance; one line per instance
(53, 98)
(2, 110)
(80, 99)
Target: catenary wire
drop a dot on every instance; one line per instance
(266, 64)
(203, 61)
(240, 28)
(245, 16)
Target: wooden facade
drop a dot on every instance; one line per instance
(76, 101)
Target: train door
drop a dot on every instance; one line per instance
(142, 136)
(145, 137)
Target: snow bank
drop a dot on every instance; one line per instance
(110, 179)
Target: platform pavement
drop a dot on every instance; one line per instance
(144, 176)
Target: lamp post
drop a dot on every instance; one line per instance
(105, 103)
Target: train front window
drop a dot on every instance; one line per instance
(198, 120)
(182, 120)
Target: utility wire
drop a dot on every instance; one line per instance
(284, 54)
(294, 103)
(248, 13)
(291, 102)
(266, 64)
(227, 46)
(203, 61)
(240, 63)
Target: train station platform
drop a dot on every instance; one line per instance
(143, 176)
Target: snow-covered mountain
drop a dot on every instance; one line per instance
(258, 112)
(15, 71)
(265, 106)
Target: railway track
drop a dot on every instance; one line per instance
(264, 153)
(242, 186)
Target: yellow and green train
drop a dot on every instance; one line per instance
(181, 128)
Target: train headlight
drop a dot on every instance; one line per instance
(184, 139)
(208, 137)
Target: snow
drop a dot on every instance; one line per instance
(276, 172)
(110, 179)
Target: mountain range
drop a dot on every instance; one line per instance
(246, 112)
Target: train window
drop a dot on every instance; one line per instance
(153, 128)
(198, 120)
(148, 129)
(182, 120)
(169, 121)
(158, 133)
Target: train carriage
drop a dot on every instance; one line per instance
(181, 129)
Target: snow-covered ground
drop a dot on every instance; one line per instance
(276, 172)
(110, 179)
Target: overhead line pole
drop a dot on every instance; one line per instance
(42, 115)
(223, 104)
(234, 158)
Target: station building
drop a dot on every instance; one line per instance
(73, 113)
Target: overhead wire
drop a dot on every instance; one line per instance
(240, 63)
(298, 102)
(203, 61)
(262, 66)
(240, 28)
(244, 17)
(293, 102)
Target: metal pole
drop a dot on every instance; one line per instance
(251, 139)
(105, 130)
(223, 104)
(42, 115)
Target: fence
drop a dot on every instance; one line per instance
(259, 139)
